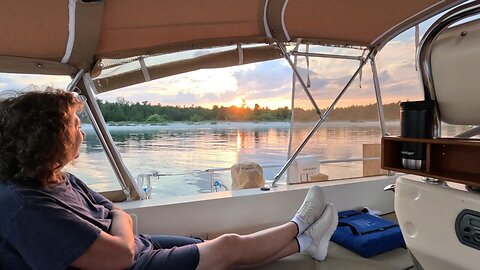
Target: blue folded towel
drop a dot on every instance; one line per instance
(367, 235)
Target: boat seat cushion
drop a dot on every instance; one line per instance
(367, 235)
(341, 258)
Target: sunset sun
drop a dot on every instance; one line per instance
(240, 102)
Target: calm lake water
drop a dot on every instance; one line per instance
(180, 153)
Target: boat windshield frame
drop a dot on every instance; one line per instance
(275, 46)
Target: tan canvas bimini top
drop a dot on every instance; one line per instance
(63, 36)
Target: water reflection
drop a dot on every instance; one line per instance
(181, 154)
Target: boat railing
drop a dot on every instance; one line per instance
(216, 183)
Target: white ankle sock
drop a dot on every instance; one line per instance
(304, 241)
(302, 225)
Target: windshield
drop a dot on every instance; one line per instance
(187, 130)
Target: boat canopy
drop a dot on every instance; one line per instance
(105, 45)
(62, 37)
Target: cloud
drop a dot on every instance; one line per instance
(272, 79)
(7, 83)
(183, 98)
(384, 76)
(263, 76)
(18, 82)
(170, 98)
(267, 83)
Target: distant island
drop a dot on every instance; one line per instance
(126, 112)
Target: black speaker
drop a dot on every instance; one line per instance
(416, 118)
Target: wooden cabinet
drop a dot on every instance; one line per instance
(449, 159)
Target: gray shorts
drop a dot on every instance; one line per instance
(169, 253)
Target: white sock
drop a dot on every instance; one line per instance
(304, 241)
(302, 225)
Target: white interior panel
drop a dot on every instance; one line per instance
(427, 214)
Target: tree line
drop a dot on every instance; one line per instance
(369, 112)
(125, 111)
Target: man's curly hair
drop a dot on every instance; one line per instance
(35, 134)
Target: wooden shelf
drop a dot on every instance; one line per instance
(449, 159)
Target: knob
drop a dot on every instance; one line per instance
(390, 187)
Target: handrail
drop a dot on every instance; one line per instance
(322, 116)
(328, 55)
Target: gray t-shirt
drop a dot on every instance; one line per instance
(48, 228)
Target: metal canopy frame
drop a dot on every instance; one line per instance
(425, 50)
(129, 187)
(88, 41)
(84, 85)
(322, 116)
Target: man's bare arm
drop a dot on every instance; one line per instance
(113, 250)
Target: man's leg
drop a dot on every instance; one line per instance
(168, 253)
(320, 233)
(268, 245)
(292, 248)
(170, 241)
(231, 250)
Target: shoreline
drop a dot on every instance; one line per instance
(238, 125)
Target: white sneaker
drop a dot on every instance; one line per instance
(312, 207)
(321, 231)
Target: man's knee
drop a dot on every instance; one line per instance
(230, 240)
(231, 247)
